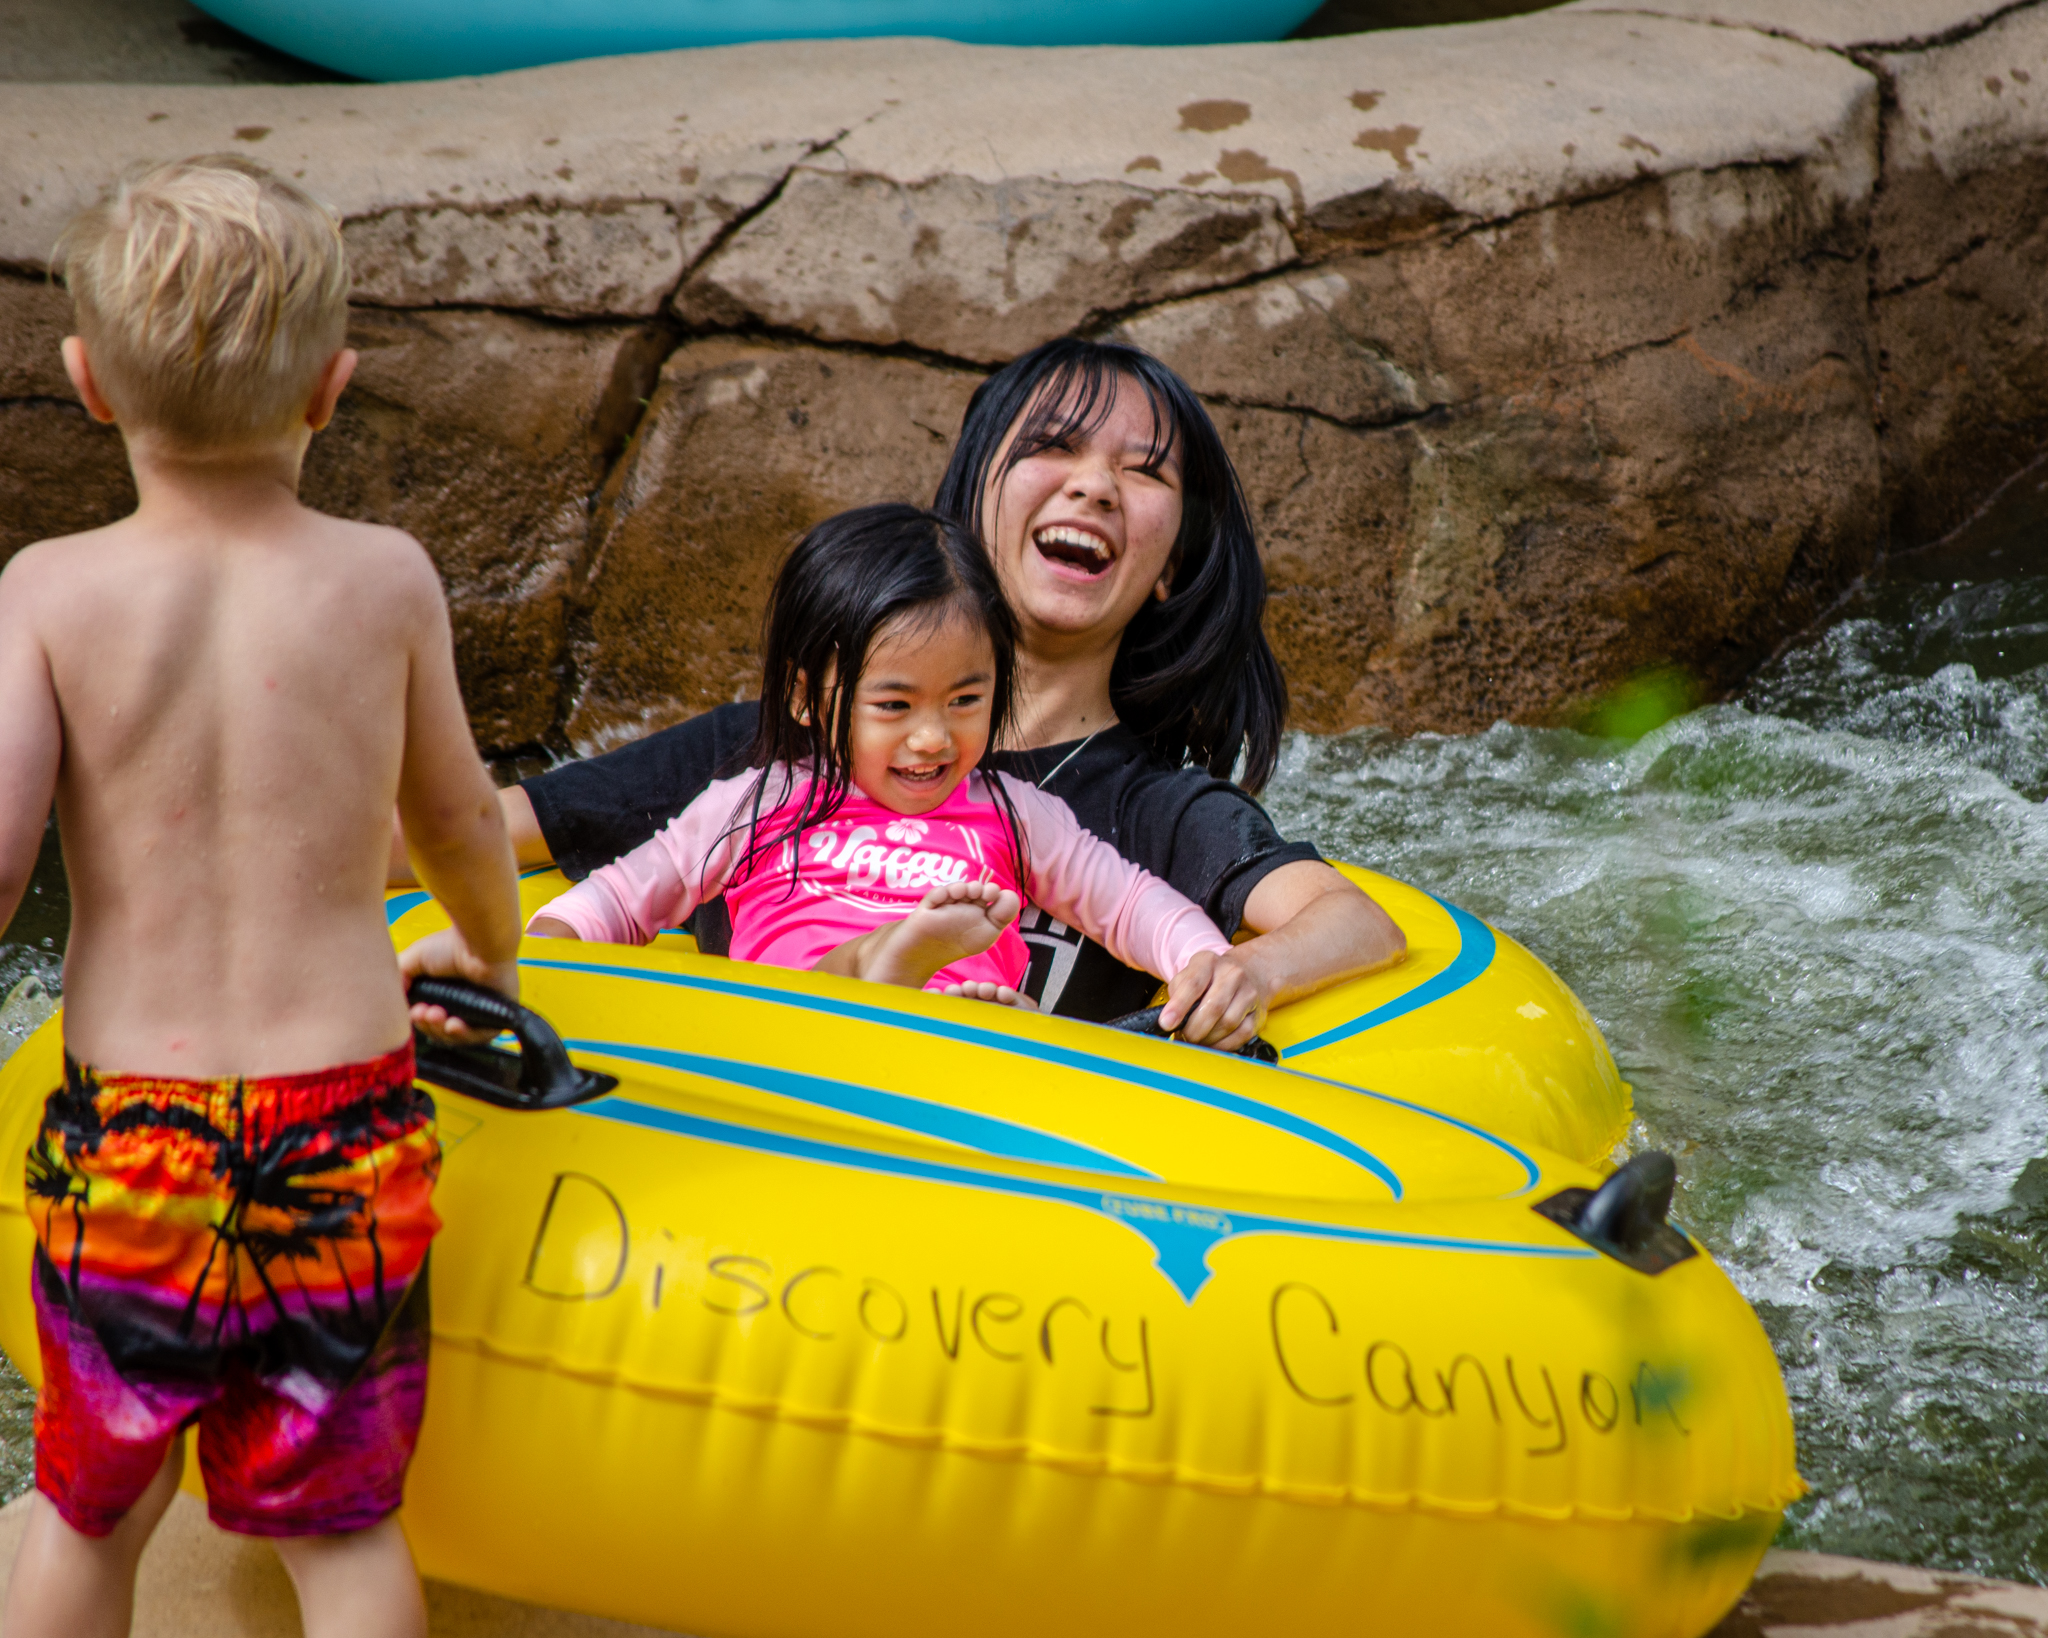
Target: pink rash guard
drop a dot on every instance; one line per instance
(868, 864)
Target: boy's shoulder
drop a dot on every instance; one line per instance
(44, 568)
(378, 579)
(366, 539)
(385, 562)
(383, 556)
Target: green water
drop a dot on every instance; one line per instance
(1814, 925)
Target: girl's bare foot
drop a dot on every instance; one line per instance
(955, 921)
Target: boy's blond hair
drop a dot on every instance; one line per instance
(210, 294)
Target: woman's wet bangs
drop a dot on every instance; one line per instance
(1075, 398)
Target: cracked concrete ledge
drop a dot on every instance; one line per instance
(1551, 348)
(1871, 25)
(449, 190)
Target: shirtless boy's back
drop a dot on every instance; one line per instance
(236, 697)
(225, 694)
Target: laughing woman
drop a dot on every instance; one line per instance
(1098, 484)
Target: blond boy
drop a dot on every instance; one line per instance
(225, 693)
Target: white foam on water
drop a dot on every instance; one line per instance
(24, 1011)
(1814, 927)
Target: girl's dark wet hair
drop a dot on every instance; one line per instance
(841, 585)
(1194, 676)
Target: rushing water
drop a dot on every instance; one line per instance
(1814, 925)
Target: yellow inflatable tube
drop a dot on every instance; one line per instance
(853, 1310)
(1470, 1023)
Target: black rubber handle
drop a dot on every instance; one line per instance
(538, 1076)
(1626, 1216)
(1145, 1021)
(1629, 1208)
(479, 1004)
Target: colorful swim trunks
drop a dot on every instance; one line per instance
(247, 1254)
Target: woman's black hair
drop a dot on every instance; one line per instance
(1194, 676)
(840, 586)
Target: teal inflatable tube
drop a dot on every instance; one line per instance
(436, 39)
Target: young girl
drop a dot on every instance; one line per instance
(865, 843)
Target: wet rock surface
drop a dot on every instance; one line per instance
(1669, 451)
(1960, 290)
(744, 446)
(485, 434)
(59, 470)
(1958, 297)
(1552, 348)
(1818, 1593)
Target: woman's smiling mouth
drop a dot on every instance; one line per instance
(1073, 548)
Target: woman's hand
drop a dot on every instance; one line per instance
(1314, 929)
(447, 955)
(1215, 1001)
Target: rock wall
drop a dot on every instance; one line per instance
(1958, 264)
(1551, 349)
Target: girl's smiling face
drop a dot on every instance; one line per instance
(1084, 530)
(921, 709)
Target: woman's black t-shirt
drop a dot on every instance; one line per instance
(1207, 837)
